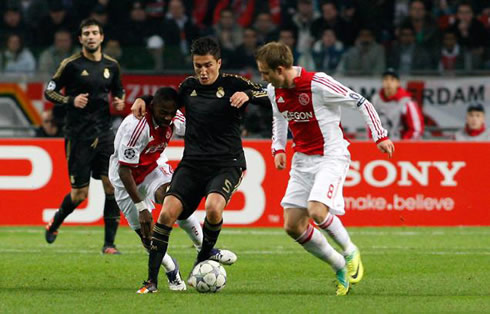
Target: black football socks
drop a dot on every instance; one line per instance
(158, 249)
(210, 237)
(67, 207)
(111, 220)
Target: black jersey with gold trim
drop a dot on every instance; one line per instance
(79, 75)
(213, 134)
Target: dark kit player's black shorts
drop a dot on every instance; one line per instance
(193, 181)
(88, 158)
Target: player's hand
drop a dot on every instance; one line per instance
(238, 99)
(81, 101)
(118, 103)
(280, 161)
(146, 221)
(138, 109)
(387, 146)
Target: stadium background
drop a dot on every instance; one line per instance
(434, 182)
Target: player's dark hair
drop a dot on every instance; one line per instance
(165, 94)
(90, 22)
(206, 46)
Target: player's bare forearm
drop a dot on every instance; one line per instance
(387, 147)
(138, 109)
(127, 179)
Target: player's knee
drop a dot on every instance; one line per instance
(78, 196)
(293, 230)
(214, 215)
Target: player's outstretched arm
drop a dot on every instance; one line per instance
(386, 146)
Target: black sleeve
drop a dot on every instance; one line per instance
(147, 99)
(256, 92)
(57, 83)
(117, 88)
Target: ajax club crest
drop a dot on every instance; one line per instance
(304, 99)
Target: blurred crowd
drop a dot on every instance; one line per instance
(349, 36)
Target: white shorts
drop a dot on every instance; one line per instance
(317, 178)
(155, 179)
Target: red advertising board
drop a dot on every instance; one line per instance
(425, 184)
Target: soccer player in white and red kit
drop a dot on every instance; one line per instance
(309, 104)
(140, 174)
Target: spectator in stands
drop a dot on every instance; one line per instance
(327, 52)
(452, 54)
(178, 32)
(406, 55)
(58, 18)
(288, 37)
(12, 23)
(424, 25)
(331, 19)
(471, 34)
(129, 61)
(137, 29)
(303, 19)
(265, 29)
(244, 56)
(51, 58)
(16, 58)
(399, 114)
(48, 127)
(475, 129)
(227, 31)
(207, 12)
(366, 57)
(100, 14)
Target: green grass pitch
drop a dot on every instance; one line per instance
(407, 270)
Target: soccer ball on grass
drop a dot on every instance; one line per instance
(208, 276)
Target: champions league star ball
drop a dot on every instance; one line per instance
(208, 276)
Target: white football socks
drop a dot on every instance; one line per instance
(314, 242)
(168, 263)
(193, 229)
(334, 228)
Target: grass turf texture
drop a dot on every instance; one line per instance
(407, 270)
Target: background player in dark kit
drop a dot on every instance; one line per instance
(88, 77)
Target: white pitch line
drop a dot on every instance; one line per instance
(280, 232)
(248, 252)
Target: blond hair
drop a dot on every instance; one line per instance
(275, 54)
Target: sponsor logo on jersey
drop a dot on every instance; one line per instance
(220, 93)
(51, 86)
(296, 116)
(194, 93)
(84, 73)
(129, 153)
(280, 100)
(304, 99)
(107, 74)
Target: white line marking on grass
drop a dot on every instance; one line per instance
(247, 252)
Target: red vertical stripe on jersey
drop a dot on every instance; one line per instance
(136, 133)
(373, 120)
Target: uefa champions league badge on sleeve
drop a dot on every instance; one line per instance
(129, 153)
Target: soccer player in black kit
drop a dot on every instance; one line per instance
(213, 161)
(88, 77)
